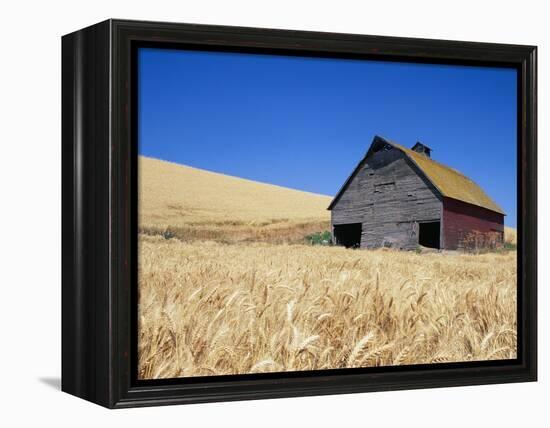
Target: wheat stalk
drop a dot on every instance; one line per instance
(199, 315)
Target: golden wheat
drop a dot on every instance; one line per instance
(180, 194)
(510, 235)
(207, 308)
(221, 291)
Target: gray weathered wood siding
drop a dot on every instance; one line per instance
(389, 196)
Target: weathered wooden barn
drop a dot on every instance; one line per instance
(401, 198)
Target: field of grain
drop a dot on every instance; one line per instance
(228, 286)
(510, 235)
(212, 309)
(192, 204)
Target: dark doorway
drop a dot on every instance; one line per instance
(429, 234)
(348, 235)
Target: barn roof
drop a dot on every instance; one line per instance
(448, 181)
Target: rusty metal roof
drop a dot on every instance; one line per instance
(448, 181)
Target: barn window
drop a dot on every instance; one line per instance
(348, 235)
(383, 148)
(428, 234)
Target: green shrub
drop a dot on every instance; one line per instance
(319, 238)
(510, 246)
(168, 234)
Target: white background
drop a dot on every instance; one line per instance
(30, 172)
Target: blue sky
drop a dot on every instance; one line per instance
(304, 123)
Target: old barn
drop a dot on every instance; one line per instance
(401, 198)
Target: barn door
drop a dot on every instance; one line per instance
(428, 234)
(348, 235)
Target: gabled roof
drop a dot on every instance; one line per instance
(449, 182)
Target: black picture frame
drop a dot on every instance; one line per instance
(99, 214)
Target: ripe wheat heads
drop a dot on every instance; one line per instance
(208, 308)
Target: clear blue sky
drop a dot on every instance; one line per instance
(304, 123)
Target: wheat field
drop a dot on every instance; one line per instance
(510, 235)
(232, 289)
(193, 204)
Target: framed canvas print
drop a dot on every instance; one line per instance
(253, 213)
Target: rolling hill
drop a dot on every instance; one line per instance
(197, 204)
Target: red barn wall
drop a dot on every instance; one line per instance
(460, 218)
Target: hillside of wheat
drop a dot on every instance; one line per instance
(195, 204)
(227, 285)
(510, 235)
